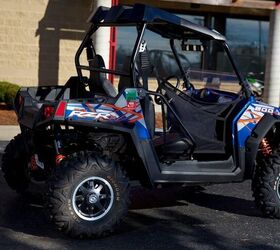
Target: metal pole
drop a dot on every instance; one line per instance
(272, 76)
(101, 40)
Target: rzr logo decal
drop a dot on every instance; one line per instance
(95, 115)
(106, 112)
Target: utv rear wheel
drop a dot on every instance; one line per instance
(15, 164)
(266, 185)
(88, 195)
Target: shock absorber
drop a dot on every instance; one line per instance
(58, 145)
(35, 163)
(265, 147)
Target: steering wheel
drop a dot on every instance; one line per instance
(167, 79)
(185, 84)
(162, 81)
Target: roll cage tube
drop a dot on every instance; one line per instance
(245, 87)
(141, 30)
(86, 43)
(185, 79)
(191, 140)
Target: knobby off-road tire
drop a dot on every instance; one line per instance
(88, 195)
(266, 185)
(15, 164)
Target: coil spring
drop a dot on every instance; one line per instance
(33, 165)
(265, 147)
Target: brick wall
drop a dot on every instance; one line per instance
(39, 38)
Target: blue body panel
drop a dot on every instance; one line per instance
(248, 118)
(122, 112)
(131, 116)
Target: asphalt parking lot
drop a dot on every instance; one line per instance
(214, 217)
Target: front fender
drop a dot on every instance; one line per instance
(254, 140)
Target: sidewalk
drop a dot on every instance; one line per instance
(7, 132)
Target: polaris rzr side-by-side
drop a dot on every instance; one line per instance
(178, 111)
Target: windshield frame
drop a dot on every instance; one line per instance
(242, 83)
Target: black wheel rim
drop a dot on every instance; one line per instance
(93, 198)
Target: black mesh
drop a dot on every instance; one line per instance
(199, 119)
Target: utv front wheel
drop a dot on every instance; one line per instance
(88, 195)
(266, 185)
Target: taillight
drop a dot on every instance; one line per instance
(60, 111)
(20, 100)
(19, 103)
(48, 112)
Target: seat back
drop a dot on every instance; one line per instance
(98, 82)
(148, 105)
(125, 81)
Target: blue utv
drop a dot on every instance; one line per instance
(178, 112)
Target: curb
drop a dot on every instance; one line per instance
(8, 132)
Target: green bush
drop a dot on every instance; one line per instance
(8, 92)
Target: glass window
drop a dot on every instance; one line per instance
(205, 63)
(248, 40)
(126, 37)
(208, 65)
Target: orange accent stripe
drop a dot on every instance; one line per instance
(250, 120)
(89, 107)
(139, 116)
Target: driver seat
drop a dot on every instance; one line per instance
(98, 82)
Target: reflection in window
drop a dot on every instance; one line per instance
(248, 40)
(126, 37)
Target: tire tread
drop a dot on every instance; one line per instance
(267, 169)
(75, 166)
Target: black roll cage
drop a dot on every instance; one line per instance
(141, 27)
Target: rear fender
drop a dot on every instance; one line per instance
(142, 146)
(122, 114)
(124, 111)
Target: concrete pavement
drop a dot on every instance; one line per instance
(8, 132)
(217, 217)
(220, 217)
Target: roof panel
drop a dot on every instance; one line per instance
(141, 13)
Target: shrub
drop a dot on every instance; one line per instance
(8, 92)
